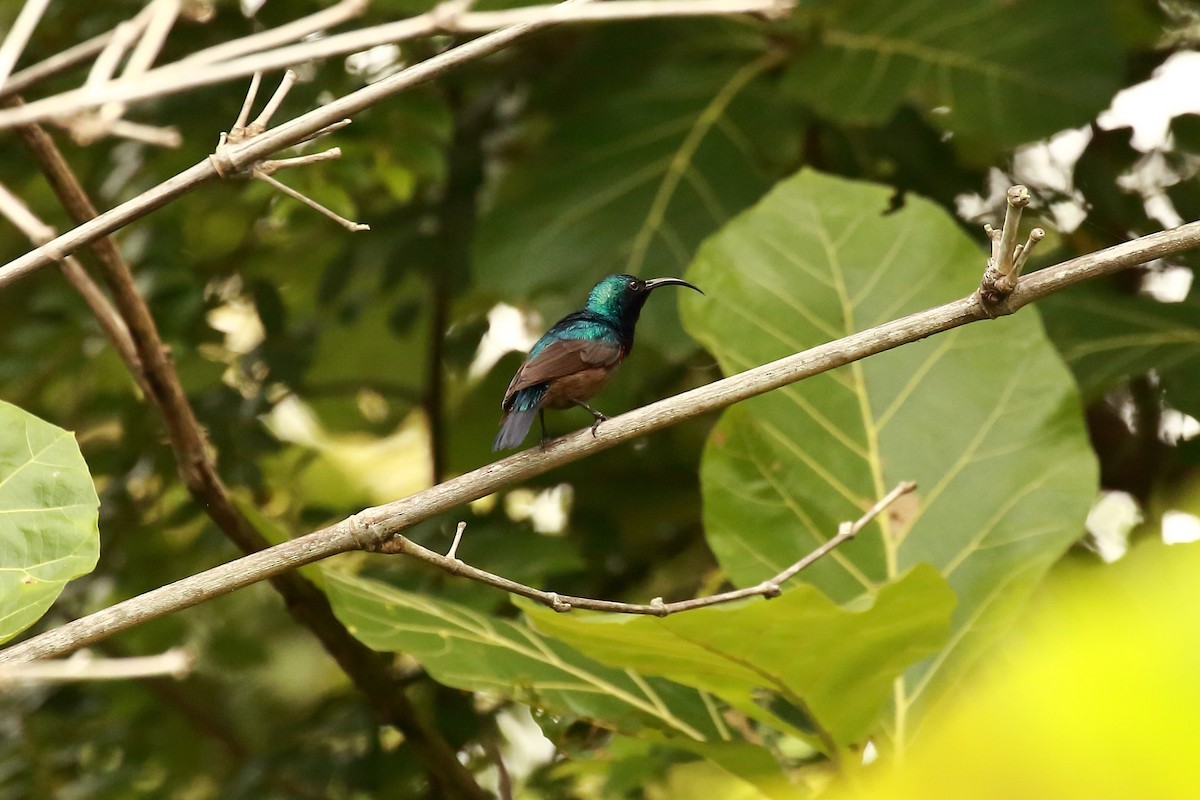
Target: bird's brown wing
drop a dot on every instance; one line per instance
(562, 358)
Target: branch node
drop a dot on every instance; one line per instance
(224, 157)
(557, 603)
(360, 533)
(1007, 258)
(771, 589)
(222, 164)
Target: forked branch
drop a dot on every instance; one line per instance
(772, 587)
(1008, 258)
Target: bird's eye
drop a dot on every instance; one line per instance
(633, 283)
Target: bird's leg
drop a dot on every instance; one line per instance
(542, 419)
(599, 417)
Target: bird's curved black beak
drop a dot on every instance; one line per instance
(654, 283)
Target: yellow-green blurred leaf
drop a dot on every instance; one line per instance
(1097, 699)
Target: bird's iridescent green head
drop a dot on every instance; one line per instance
(621, 297)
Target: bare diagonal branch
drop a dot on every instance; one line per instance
(214, 66)
(376, 529)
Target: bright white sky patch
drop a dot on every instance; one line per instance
(1167, 283)
(1179, 527)
(374, 63)
(509, 329)
(1149, 107)
(1109, 522)
(1175, 426)
(547, 510)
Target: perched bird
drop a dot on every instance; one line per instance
(575, 358)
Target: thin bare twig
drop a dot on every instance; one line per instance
(156, 135)
(123, 37)
(452, 553)
(1017, 198)
(162, 16)
(272, 166)
(292, 31)
(349, 225)
(772, 587)
(18, 36)
(83, 666)
(55, 64)
(174, 78)
(77, 54)
(251, 93)
(143, 37)
(264, 118)
(374, 528)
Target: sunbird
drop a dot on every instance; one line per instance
(576, 357)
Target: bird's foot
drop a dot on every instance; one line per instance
(599, 418)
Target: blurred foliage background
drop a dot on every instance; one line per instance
(815, 176)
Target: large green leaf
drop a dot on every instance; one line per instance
(985, 417)
(836, 664)
(48, 517)
(1009, 71)
(473, 651)
(1107, 337)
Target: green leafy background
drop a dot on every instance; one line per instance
(976, 68)
(806, 173)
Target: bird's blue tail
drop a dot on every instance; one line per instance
(519, 417)
(514, 429)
